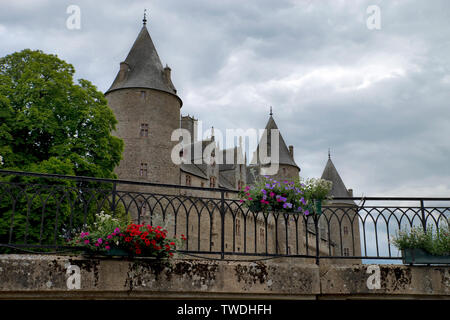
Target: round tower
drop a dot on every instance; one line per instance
(147, 109)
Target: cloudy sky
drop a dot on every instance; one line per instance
(379, 98)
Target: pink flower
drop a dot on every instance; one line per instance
(250, 199)
(99, 240)
(107, 247)
(109, 236)
(86, 241)
(97, 244)
(272, 194)
(241, 201)
(117, 230)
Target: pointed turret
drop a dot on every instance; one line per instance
(142, 68)
(288, 169)
(285, 156)
(338, 188)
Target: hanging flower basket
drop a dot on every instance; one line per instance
(269, 195)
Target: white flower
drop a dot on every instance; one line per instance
(1, 160)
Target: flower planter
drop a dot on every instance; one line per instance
(420, 256)
(115, 252)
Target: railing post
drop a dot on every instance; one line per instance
(316, 225)
(222, 215)
(422, 209)
(113, 200)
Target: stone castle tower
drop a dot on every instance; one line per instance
(147, 109)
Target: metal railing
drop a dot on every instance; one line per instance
(39, 212)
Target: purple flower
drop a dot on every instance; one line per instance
(263, 191)
(306, 212)
(287, 205)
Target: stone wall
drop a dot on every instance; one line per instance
(77, 277)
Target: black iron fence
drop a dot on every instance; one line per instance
(40, 212)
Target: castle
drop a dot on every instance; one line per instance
(147, 108)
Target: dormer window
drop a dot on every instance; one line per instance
(188, 180)
(212, 182)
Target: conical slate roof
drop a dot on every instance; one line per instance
(145, 68)
(338, 188)
(284, 154)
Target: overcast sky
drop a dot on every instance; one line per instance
(379, 98)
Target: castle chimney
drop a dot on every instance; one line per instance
(291, 151)
(350, 193)
(168, 77)
(190, 124)
(123, 72)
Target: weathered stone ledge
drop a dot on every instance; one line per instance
(76, 277)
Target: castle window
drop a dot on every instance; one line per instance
(284, 171)
(143, 95)
(202, 184)
(142, 208)
(346, 252)
(143, 170)
(212, 182)
(188, 180)
(238, 227)
(261, 236)
(144, 129)
(345, 230)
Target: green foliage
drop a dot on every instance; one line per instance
(436, 242)
(50, 124)
(317, 189)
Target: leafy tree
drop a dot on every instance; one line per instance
(50, 124)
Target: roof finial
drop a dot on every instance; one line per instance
(271, 113)
(329, 154)
(145, 17)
